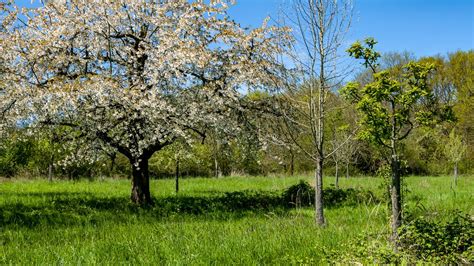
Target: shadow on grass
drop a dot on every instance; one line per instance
(65, 209)
(46, 194)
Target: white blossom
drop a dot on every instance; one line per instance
(131, 75)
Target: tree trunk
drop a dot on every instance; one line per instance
(455, 173)
(50, 172)
(347, 169)
(319, 193)
(336, 184)
(395, 195)
(177, 175)
(292, 163)
(216, 167)
(113, 156)
(141, 182)
(51, 158)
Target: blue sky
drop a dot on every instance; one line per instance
(424, 27)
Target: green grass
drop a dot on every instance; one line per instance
(93, 223)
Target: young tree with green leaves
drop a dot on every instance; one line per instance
(454, 150)
(390, 107)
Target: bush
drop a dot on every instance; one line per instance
(365, 249)
(421, 240)
(302, 194)
(348, 197)
(433, 241)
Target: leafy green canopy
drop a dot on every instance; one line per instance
(391, 106)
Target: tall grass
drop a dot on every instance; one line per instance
(93, 222)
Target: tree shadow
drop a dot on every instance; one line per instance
(76, 208)
(46, 194)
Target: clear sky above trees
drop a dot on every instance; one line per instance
(419, 26)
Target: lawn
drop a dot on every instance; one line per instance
(208, 222)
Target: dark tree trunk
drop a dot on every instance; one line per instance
(113, 156)
(336, 184)
(141, 182)
(395, 195)
(319, 193)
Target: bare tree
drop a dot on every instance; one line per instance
(319, 28)
(345, 147)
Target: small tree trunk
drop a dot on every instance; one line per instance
(141, 183)
(177, 175)
(336, 184)
(319, 193)
(292, 163)
(347, 169)
(395, 195)
(50, 172)
(455, 173)
(217, 169)
(51, 158)
(113, 156)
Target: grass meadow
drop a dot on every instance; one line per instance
(210, 221)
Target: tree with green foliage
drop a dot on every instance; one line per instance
(454, 150)
(390, 107)
(461, 72)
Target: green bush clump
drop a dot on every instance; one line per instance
(434, 241)
(420, 240)
(302, 194)
(365, 249)
(349, 197)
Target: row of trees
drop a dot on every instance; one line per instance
(156, 87)
(437, 151)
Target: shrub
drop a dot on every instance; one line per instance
(434, 241)
(421, 240)
(365, 249)
(302, 194)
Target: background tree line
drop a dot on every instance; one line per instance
(444, 149)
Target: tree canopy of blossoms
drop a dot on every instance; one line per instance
(133, 76)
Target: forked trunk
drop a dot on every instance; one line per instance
(395, 195)
(141, 183)
(319, 193)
